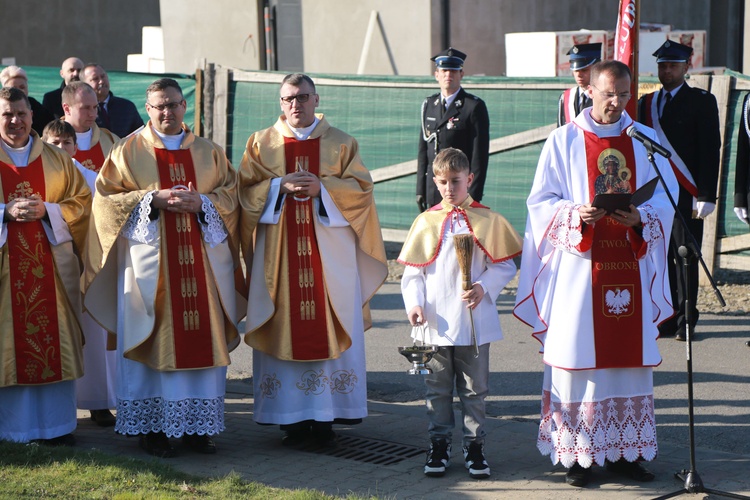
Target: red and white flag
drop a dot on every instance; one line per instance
(626, 45)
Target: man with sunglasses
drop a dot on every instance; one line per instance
(162, 272)
(315, 257)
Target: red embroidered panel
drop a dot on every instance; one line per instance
(187, 274)
(32, 276)
(616, 284)
(306, 286)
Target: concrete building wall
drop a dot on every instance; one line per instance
(226, 32)
(334, 33)
(46, 32)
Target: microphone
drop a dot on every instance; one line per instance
(651, 146)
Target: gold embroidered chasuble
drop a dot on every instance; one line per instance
(65, 187)
(129, 173)
(350, 186)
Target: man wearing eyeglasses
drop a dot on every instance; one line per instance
(162, 272)
(115, 113)
(95, 390)
(452, 118)
(593, 287)
(318, 257)
(686, 120)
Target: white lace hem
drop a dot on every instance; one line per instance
(174, 418)
(592, 432)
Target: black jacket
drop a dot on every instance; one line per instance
(691, 123)
(465, 126)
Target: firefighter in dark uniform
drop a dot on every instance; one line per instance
(686, 120)
(452, 118)
(575, 100)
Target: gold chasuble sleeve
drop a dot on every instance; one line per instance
(349, 184)
(129, 173)
(36, 348)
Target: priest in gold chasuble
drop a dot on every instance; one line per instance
(44, 209)
(162, 272)
(317, 259)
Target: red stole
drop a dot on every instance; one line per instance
(187, 275)
(307, 297)
(32, 277)
(616, 284)
(92, 159)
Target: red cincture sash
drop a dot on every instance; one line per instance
(93, 158)
(187, 274)
(616, 284)
(32, 276)
(306, 286)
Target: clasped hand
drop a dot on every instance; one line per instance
(26, 209)
(301, 184)
(178, 200)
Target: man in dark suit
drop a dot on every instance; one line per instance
(452, 118)
(686, 120)
(118, 115)
(70, 71)
(576, 99)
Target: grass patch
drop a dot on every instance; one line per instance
(33, 471)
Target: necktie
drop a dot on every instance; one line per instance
(443, 107)
(667, 100)
(104, 115)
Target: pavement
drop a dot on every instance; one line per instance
(383, 457)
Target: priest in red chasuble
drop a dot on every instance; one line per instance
(317, 259)
(95, 390)
(44, 209)
(594, 286)
(162, 272)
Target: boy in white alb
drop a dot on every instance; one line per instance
(432, 291)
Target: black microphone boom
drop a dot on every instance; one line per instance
(651, 145)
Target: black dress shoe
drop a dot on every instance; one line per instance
(157, 444)
(201, 444)
(633, 470)
(295, 438)
(103, 418)
(578, 476)
(64, 440)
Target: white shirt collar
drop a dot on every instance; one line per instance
(20, 156)
(303, 133)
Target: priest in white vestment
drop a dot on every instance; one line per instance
(594, 286)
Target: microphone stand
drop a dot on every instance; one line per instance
(692, 480)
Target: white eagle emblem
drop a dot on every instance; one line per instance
(617, 300)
